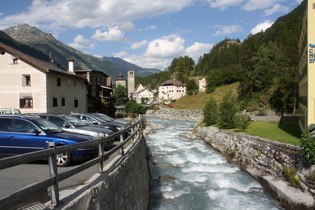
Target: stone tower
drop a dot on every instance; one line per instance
(120, 80)
(131, 81)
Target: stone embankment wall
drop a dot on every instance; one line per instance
(265, 159)
(125, 185)
(190, 115)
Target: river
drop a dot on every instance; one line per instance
(188, 174)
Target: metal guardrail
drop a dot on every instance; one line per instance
(134, 130)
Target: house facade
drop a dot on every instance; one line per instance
(143, 94)
(307, 69)
(99, 90)
(36, 86)
(202, 84)
(171, 90)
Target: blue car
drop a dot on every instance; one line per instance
(21, 134)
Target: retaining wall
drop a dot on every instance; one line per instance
(123, 186)
(264, 159)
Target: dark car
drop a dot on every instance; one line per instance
(111, 120)
(21, 134)
(72, 124)
(91, 119)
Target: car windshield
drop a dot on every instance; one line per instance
(98, 118)
(108, 118)
(74, 121)
(47, 126)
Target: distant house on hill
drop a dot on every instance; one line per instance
(171, 90)
(202, 84)
(37, 86)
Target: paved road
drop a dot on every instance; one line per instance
(15, 178)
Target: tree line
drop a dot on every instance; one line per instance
(265, 65)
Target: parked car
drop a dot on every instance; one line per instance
(91, 119)
(72, 124)
(111, 120)
(21, 134)
(9, 111)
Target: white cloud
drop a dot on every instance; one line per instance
(160, 52)
(168, 46)
(224, 30)
(223, 4)
(60, 14)
(121, 54)
(138, 45)
(259, 4)
(276, 8)
(151, 27)
(261, 27)
(198, 49)
(81, 39)
(80, 42)
(112, 34)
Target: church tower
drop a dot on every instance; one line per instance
(131, 81)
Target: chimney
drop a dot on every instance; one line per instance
(71, 68)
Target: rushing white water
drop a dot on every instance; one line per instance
(188, 174)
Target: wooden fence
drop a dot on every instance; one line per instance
(134, 131)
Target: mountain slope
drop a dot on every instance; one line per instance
(60, 52)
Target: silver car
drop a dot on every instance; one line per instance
(71, 124)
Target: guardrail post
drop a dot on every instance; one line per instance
(122, 148)
(101, 155)
(53, 172)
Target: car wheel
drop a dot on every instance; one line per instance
(64, 159)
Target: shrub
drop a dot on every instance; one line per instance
(228, 109)
(241, 121)
(134, 108)
(210, 112)
(290, 175)
(308, 145)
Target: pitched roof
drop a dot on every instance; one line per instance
(172, 82)
(37, 63)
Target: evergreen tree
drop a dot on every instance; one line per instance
(228, 109)
(210, 112)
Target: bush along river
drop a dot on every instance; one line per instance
(188, 174)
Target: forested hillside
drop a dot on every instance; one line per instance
(264, 64)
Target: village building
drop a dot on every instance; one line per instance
(142, 94)
(202, 84)
(120, 80)
(37, 86)
(99, 90)
(171, 90)
(307, 69)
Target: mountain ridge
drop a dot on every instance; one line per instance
(48, 45)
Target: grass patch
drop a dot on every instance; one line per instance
(198, 101)
(286, 132)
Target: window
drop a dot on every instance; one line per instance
(76, 103)
(13, 60)
(58, 81)
(26, 100)
(63, 101)
(22, 126)
(55, 102)
(26, 80)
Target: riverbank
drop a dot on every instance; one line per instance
(290, 197)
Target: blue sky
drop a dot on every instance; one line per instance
(148, 33)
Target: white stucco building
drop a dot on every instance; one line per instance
(37, 86)
(171, 90)
(202, 84)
